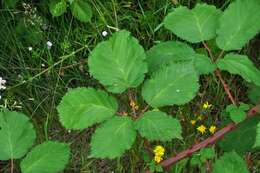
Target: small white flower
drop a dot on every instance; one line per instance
(30, 48)
(43, 65)
(49, 44)
(104, 33)
(2, 83)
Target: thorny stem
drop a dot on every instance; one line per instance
(209, 51)
(218, 74)
(226, 87)
(209, 141)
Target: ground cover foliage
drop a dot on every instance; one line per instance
(129, 86)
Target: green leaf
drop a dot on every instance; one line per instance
(207, 153)
(202, 156)
(254, 94)
(194, 25)
(17, 135)
(175, 84)
(257, 140)
(236, 114)
(81, 10)
(49, 157)
(195, 160)
(113, 138)
(241, 65)
(179, 166)
(158, 168)
(119, 62)
(173, 51)
(57, 7)
(230, 163)
(83, 107)
(203, 64)
(10, 3)
(242, 138)
(238, 24)
(156, 125)
(166, 52)
(152, 166)
(243, 106)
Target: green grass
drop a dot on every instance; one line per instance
(36, 91)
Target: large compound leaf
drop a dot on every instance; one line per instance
(57, 7)
(238, 24)
(241, 65)
(194, 25)
(175, 84)
(257, 140)
(242, 138)
(172, 51)
(82, 107)
(156, 125)
(119, 62)
(113, 138)
(16, 135)
(81, 10)
(230, 163)
(49, 157)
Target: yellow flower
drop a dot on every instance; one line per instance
(202, 129)
(193, 122)
(157, 159)
(134, 105)
(159, 150)
(212, 129)
(206, 105)
(158, 153)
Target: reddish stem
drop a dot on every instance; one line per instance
(209, 51)
(218, 73)
(225, 85)
(209, 141)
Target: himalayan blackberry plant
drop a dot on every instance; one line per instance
(168, 74)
